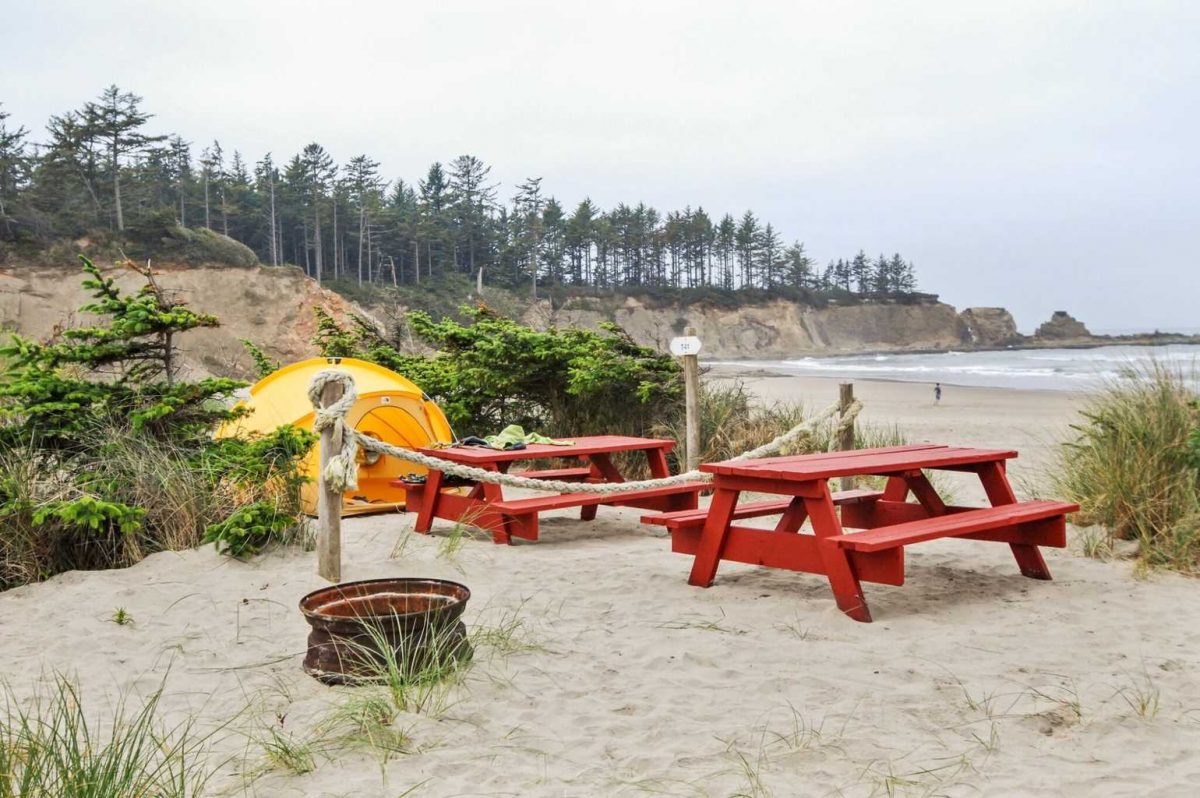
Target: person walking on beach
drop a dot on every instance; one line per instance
(937, 393)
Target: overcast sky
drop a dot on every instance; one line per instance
(1037, 155)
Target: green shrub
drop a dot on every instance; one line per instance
(1132, 466)
(492, 371)
(248, 529)
(158, 236)
(106, 456)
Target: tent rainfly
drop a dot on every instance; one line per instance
(389, 407)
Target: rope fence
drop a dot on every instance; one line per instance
(341, 470)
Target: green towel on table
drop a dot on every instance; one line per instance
(514, 434)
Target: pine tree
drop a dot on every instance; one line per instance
(266, 177)
(117, 121)
(317, 174)
(528, 229)
(747, 238)
(473, 200)
(770, 257)
(860, 276)
(364, 185)
(580, 238)
(14, 172)
(798, 267)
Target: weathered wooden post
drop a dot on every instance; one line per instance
(329, 502)
(846, 434)
(687, 349)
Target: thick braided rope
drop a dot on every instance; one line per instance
(341, 472)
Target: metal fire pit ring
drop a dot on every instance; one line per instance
(418, 619)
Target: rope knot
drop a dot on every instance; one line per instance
(341, 471)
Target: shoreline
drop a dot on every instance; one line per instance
(1175, 339)
(735, 371)
(1033, 422)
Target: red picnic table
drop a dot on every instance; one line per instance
(889, 520)
(484, 504)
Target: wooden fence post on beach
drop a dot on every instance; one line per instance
(846, 435)
(691, 385)
(329, 502)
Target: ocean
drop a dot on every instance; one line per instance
(1030, 369)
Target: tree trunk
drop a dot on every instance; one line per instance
(116, 170)
(417, 257)
(335, 239)
(274, 251)
(362, 216)
(307, 249)
(207, 218)
(317, 260)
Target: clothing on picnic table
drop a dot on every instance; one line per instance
(514, 436)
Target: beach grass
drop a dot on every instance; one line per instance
(733, 421)
(1133, 470)
(55, 747)
(178, 498)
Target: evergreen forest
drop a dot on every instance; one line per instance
(102, 170)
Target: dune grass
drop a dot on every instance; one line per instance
(177, 491)
(53, 747)
(733, 421)
(1132, 465)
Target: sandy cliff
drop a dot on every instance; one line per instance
(274, 309)
(773, 329)
(271, 307)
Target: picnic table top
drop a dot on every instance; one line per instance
(858, 462)
(580, 446)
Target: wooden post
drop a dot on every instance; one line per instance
(329, 502)
(846, 435)
(691, 384)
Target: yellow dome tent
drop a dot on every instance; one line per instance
(389, 407)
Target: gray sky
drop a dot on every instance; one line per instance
(1037, 155)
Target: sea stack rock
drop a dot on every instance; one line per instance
(989, 326)
(1062, 326)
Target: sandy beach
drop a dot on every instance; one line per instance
(621, 680)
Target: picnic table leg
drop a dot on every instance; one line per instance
(896, 490)
(793, 517)
(999, 492)
(603, 470)
(659, 469)
(658, 463)
(494, 493)
(429, 498)
(847, 590)
(921, 488)
(712, 539)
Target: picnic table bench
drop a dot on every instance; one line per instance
(890, 522)
(485, 506)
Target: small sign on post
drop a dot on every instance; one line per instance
(687, 347)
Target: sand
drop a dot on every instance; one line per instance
(625, 681)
